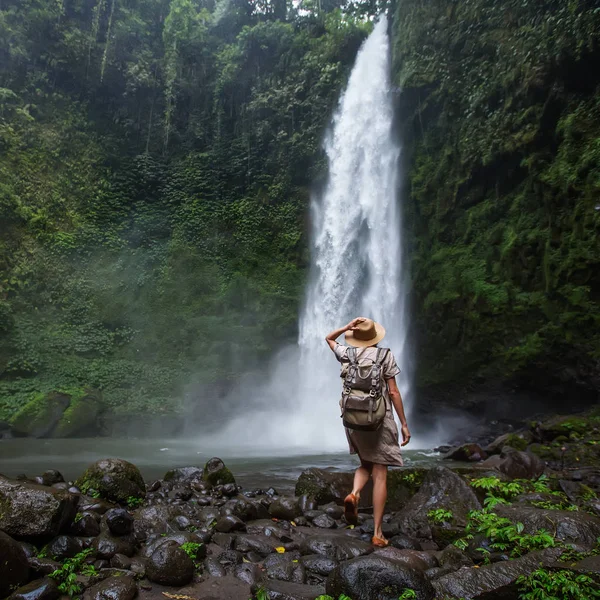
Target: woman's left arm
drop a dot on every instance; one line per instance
(334, 335)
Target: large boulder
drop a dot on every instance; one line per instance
(441, 489)
(14, 566)
(216, 473)
(81, 414)
(492, 581)
(368, 577)
(114, 479)
(39, 589)
(324, 486)
(571, 527)
(113, 588)
(170, 565)
(39, 416)
(30, 510)
(516, 464)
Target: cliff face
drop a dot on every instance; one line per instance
(500, 114)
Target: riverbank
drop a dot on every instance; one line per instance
(487, 530)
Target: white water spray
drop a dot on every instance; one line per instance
(356, 264)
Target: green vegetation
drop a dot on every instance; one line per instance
(66, 576)
(440, 516)
(133, 502)
(191, 549)
(557, 585)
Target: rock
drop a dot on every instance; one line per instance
(120, 561)
(492, 581)
(119, 521)
(85, 525)
(518, 441)
(113, 588)
(81, 415)
(306, 503)
(403, 542)
(454, 558)
(466, 452)
(180, 538)
(184, 474)
(369, 577)
(323, 486)
(335, 511)
(284, 508)
(321, 565)
(441, 489)
(40, 589)
(571, 527)
(262, 544)
(324, 522)
(154, 520)
(230, 490)
(283, 590)
(170, 565)
(51, 477)
(63, 547)
(106, 546)
(230, 523)
(270, 529)
(214, 567)
(30, 510)
(14, 566)
(517, 465)
(248, 573)
(39, 416)
(336, 546)
(43, 566)
(115, 479)
(216, 473)
(414, 559)
(244, 509)
(285, 567)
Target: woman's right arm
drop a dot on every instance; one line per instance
(399, 406)
(330, 338)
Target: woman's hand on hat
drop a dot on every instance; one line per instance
(354, 323)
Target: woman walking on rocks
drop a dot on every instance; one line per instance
(370, 390)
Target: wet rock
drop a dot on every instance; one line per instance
(180, 538)
(283, 590)
(403, 542)
(454, 558)
(285, 567)
(229, 524)
(63, 547)
(229, 558)
(321, 565)
(29, 549)
(115, 479)
(492, 581)
(244, 509)
(518, 441)
(262, 544)
(51, 477)
(216, 473)
(281, 531)
(517, 465)
(414, 559)
(180, 493)
(30, 510)
(170, 565)
(575, 527)
(85, 525)
(336, 546)
(120, 561)
(311, 515)
(284, 508)
(324, 522)
(43, 566)
(184, 475)
(138, 567)
(441, 489)
(113, 588)
(248, 573)
(305, 503)
(119, 521)
(230, 489)
(333, 510)
(40, 589)
(373, 576)
(14, 566)
(466, 452)
(106, 546)
(39, 417)
(214, 568)
(323, 486)
(94, 505)
(80, 416)
(154, 520)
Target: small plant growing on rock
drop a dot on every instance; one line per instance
(408, 594)
(191, 549)
(440, 516)
(557, 585)
(66, 576)
(133, 502)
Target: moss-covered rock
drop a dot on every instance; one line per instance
(403, 484)
(39, 416)
(216, 473)
(561, 428)
(81, 414)
(113, 479)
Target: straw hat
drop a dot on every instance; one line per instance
(367, 333)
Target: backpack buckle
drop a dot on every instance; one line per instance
(372, 393)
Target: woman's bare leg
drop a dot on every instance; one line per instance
(361, 476)
(379, 496)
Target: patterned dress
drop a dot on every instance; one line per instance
(382, 446)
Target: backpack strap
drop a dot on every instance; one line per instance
(376, 379)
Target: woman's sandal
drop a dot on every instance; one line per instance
(351, 509)
(379, 542)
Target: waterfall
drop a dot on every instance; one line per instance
(355, 269)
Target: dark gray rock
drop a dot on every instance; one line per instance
(466, 452)
(216, 473)
(119, 521)
(229, 558)
(403, 542)
(249, 573)
(214, 568)
(40, 589)
(492, 581)
(113, 588)
(230, 523)
(284, 508)
(64, 546)
(115, 479)
(245, 510)
(517, 465)
(14, 566)
(30, 510)
(324, 522)
(85, 525)
(179, 538)
(369, 577)
(258, 543)
(441, 488)
(414, 559)
(454, 558)
(305, 502)
(120, 561)
(324, 486)
(43, 566)
(51, 477)
(154, 520)
(170, 565)
(335, 511)
(106, 546)
(281, 531)
(336, 546)
(283, 590)
(184, 475)
(321, 565)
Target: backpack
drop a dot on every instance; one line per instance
(363, 404)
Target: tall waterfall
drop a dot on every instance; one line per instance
(356, 261)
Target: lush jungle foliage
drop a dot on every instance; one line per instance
(155, 164)
(501, 115)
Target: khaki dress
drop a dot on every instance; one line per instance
(382, 446)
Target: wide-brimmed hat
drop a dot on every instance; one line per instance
(367, 333)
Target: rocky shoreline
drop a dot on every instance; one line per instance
(497, 529)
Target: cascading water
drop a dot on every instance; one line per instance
(356, 260)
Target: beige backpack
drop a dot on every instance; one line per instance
(363, 404)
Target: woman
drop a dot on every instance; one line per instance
(380, 448)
